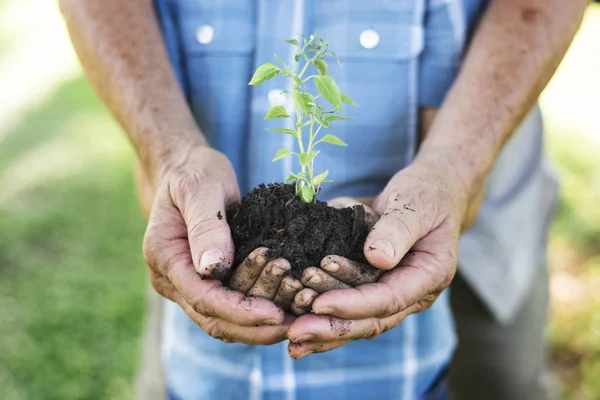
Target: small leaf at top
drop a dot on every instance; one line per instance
(277, 112)
(337, 118)
(306, 194)
(281, 153)
(264, 73)
(284, 130)
(336, 57)
(348, 100)
(329, 90)
(321, 66)
(293, 41)
(332, 139)
(303, 98)
(317, 180)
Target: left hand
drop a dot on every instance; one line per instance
(416, 241)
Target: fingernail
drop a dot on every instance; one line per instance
(383, 246)
(293, 285)
(260, 260)
(324, 310)
(272, 321)
(210, 257)
(306, 353)
(305, 338)
(278, 270)
(333, 267)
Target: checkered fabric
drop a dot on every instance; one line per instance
(397, 56)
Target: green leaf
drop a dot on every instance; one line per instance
(264, 73)
(302, 176)
(321, 66)
(284, 130)
(332, 139)
(336, 57)
(329, 90)
(277, 112)
(324, 122)
(303, 98)
(306, 158)
(317, 180)
(281, 153)
(293, 41)
(348, 100)
(337, 118)
(290, 179)
(306, 194)
(297, 57)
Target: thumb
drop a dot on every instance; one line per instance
(209, 235)
(393, 235)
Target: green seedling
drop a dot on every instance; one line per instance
(309, 115)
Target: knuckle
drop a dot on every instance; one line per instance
(395, 305)
(187, 182)
(375, 329)
(205, 225)
(213, 328)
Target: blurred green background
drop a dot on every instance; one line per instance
(72, 279)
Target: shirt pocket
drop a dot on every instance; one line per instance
(218, 42)
(378, 44)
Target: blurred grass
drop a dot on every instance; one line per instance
(71, 273)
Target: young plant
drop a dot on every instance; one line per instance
(310, 116)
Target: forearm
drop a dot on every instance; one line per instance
(122, 52)
(514, 53)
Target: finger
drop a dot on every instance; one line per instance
(420, 277)
(370, 214)
(211, 299)
(246, 274)
(270, 279)
(326, 328)
(394, 234)
(230, 332)
(303, 301)
(320, 281)
(287, 290)
(351, 272)
(299, 350)
(202, 206)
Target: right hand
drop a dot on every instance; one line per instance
(189, 250)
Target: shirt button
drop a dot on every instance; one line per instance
(276, 98)
(369, 38)
(205, 34)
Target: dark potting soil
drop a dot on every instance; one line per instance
(303, 233)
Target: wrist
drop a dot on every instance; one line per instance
(452, 178)
(170, 154)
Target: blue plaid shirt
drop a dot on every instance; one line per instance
(397, 56)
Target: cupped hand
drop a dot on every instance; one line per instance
(189, 250)
(415, 241)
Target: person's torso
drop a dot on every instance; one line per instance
(396, 56)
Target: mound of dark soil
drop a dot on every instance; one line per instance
(272, 216)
